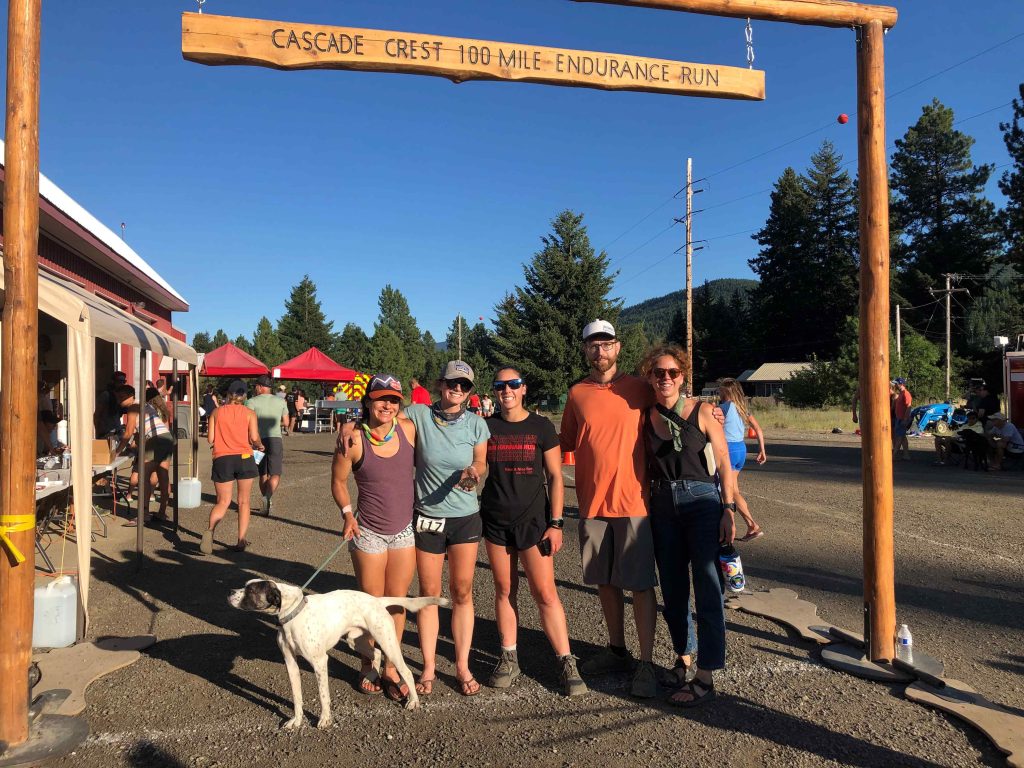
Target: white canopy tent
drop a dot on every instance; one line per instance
(88, 317)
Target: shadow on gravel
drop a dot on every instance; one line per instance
(733, 715)
(973, 606)
(146, 754)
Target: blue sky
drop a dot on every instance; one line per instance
(236, 181)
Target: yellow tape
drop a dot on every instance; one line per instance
(15, 524)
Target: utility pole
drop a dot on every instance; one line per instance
(689, 275)
(949, 347)
(458, 321)
(899, 337)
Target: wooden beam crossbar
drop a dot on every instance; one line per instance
(209, 39)
(821, 13)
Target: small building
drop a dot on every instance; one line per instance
(769, 379)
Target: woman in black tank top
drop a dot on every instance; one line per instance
(689, 518)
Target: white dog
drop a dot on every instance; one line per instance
(312, 625)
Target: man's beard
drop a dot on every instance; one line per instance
(602, 366)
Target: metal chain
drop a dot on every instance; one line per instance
(750, 45)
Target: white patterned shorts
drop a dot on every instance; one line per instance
(373, 543)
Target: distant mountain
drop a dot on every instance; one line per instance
(656, 314)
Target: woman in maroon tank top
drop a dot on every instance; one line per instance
(380, 537)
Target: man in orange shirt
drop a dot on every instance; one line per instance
(901, 421)
(602, 425)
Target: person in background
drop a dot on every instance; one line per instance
(691, 518)
(486, 406)
(602, 425)
(282, 391)
(988, 403)
(901, 420)
(159, 448)
(210, 403)
(1003, 437)
(300, 406)
(737, 417)
(46, 423)
(293, 411)
(232, 435)
(523, 524)
(272, 417)
(379, 533)
(108, 415)
(420, 396)
(474, 403)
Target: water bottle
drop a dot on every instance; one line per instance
(732, 568)
(905, 645)
(66, 459)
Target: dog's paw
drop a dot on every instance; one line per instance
(294, 724)
(325, 722)
(412, 701)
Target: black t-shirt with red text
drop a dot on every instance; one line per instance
(515, 468)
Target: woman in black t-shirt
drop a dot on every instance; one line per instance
(523, 522)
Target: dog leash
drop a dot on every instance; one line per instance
(323, 565)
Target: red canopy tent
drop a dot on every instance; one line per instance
(313, 365)
(229, 360)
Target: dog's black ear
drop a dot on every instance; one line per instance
(273, 596)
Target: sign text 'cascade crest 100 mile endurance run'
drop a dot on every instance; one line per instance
(210, 39)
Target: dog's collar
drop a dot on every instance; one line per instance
(282, 620)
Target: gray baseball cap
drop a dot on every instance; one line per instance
(457, 369)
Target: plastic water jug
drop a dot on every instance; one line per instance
(190, 492)
(56, 614)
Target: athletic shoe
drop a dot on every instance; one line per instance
(506, 670)
(572, 683)
(266, 506)
(206, 545)
(607, 662)
(645, 682)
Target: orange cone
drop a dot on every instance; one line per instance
(568, 459)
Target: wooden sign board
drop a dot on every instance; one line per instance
(210, 39)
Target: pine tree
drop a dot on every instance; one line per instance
(201, 342)
(354, 348)
(433, 361)
(939, 205)
(387, 355)
(243, 343)
(219, 339)
(476, 349)
(303, 324)
(266, 346)
(831, 248)
(786, 272)
(634, 345)
(538, 326)
(394, 313)
(676, 333)
(1012, 182)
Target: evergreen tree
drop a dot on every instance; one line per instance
(634, 346)
(830, 249)
(1012, 182)
(303, 324)
(998, 311)
(476, 349)
(947, 224)
(219, 339)
(677, 328)
(266, 347)
(394, 313)
(538, 326)
(201, 342)
(387, 355)
(433, 360)
(243, 343)
(787, 273)
(354, 348)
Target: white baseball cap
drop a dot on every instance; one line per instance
(599, 328)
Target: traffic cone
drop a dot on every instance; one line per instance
(568, 459)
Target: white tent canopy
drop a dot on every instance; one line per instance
(88, 317)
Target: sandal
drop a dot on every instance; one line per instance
(707, 691)
(241, 546)
(678, 676)
(466, 687)
(425, 686)
(393, 689)
(369, 683)
(751, 535)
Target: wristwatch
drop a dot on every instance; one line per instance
(556, 522)
(731, 506)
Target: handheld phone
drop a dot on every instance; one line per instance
(545, 547)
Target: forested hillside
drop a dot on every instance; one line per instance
(656, 314)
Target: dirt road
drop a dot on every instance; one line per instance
(213, 691)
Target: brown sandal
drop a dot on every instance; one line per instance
(466, 687)
(425, 686)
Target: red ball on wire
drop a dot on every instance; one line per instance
(843, 119)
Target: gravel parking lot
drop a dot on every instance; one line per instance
(213, 691)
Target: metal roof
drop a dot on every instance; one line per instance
(775, 371)
(745, 375)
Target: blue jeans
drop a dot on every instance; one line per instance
(685, 519)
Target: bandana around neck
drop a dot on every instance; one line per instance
(443, 419)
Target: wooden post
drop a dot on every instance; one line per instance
(821, 13)
(689, 274)
(18, 402)
(876, 437)
(141, 507)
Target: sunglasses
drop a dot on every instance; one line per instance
(393, 400)
(499, 386)
(661, 373)
(462, 384)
